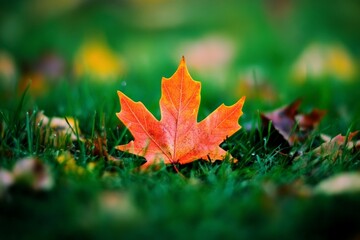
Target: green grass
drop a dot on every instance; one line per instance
(254, 198)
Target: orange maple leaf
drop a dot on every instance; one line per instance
(178, 137)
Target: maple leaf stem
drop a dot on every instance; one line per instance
(177, 170)
(175, 167)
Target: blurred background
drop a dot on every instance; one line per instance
(75, 54)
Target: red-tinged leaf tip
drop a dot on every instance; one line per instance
(352, 134)
(182, 60)
(292, 109)
(182, 64)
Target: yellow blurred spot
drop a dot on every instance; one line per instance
(97, 60)
(324, 60)
(91, 166)
(68, 162)
(64, 157)
(341, 63)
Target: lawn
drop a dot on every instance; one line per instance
(61, 66)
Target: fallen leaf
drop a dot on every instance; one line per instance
(283, 120)
(338, 184)
(30, 172)
(33, 172)
(306, 123)
(98, 147)
(6, 180)
(178, 137)
(311, 120)
(336, 145)
(292, 125)
(58, 130)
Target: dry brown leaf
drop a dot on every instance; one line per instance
(99, 148)
(308, 122)
(338, 184)
(6, 180)
(335, 146)
(56, 130)
(292, 125)
(33, 172)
